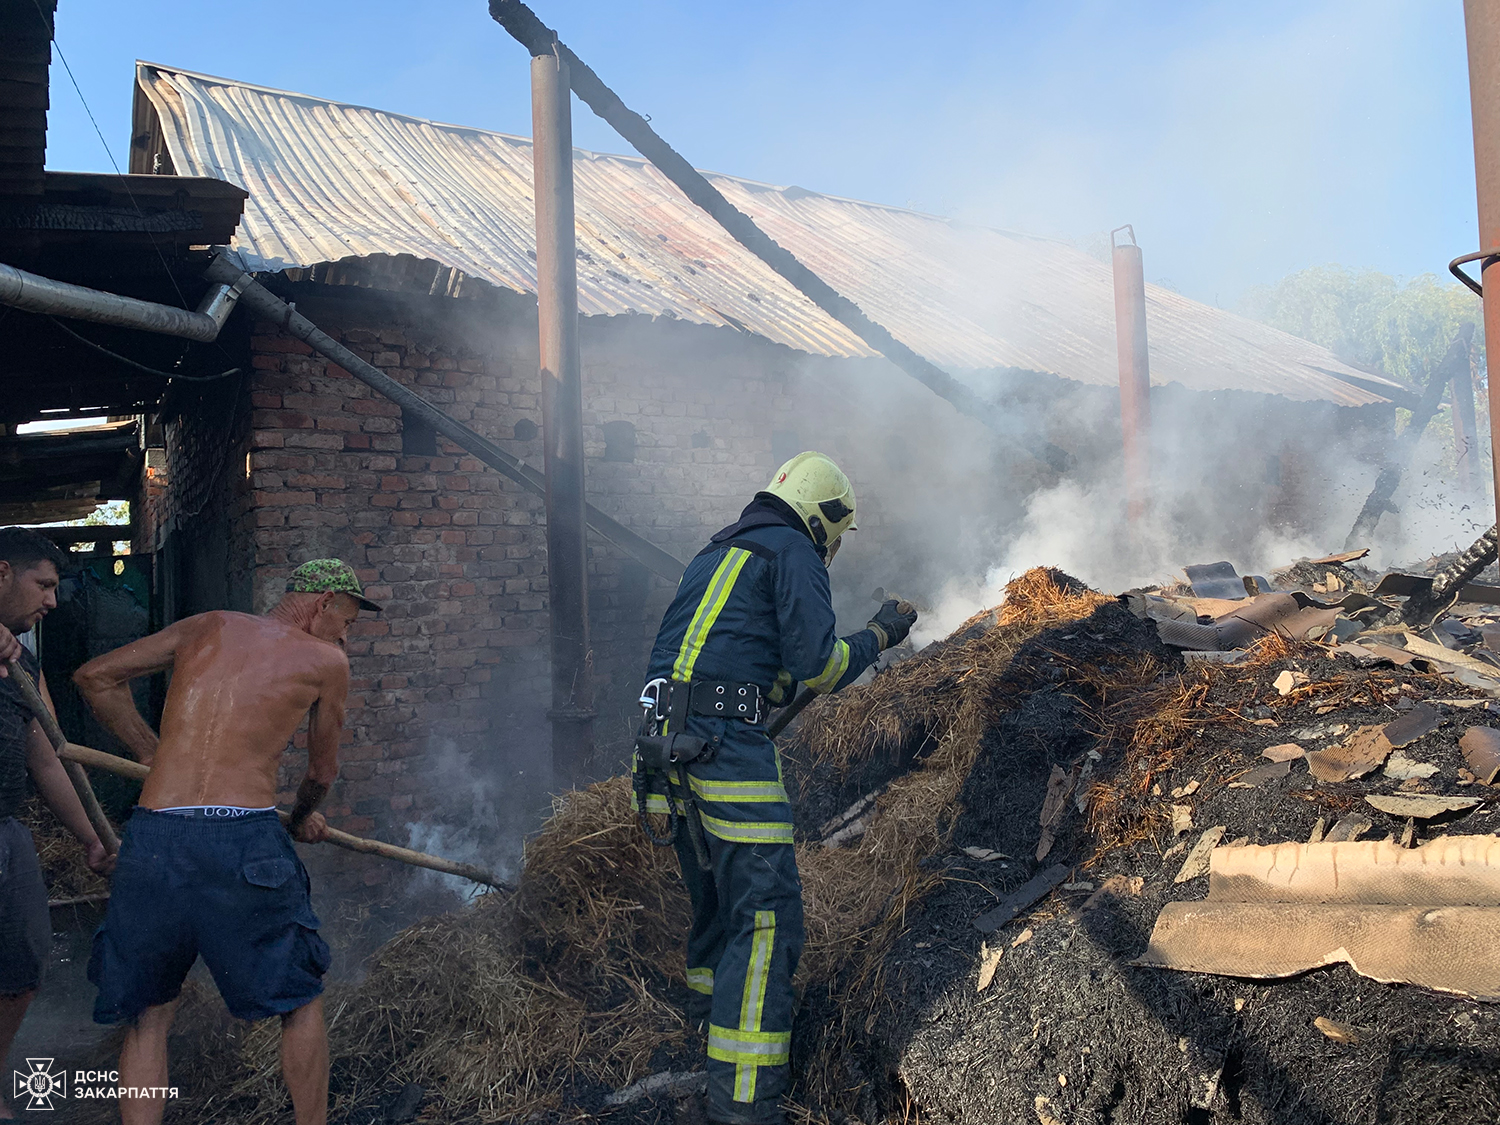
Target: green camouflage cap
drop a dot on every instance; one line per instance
(319, 576)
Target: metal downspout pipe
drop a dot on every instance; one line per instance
(1135, 372)
(263, 303)
(572, 711)
(36, 294)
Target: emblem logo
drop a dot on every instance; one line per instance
(38, 1084)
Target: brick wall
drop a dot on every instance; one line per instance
(457, 665)
(446, 720)
(194, 495)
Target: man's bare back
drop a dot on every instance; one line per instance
(240, 687)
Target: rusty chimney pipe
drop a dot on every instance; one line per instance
(1482, 22)
(572, 711)
(1135, 371)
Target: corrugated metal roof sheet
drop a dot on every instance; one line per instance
(330, 181)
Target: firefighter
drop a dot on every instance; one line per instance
(752, 617)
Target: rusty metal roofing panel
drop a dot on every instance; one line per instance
(330, 181)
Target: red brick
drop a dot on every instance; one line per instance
(314, 440)
(380, 406)
(283, 498)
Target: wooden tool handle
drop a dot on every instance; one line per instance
(790, 712)
(91, 806)
(87, 756)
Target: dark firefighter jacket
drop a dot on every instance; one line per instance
(754, 607)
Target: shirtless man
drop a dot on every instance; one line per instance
(205, 868)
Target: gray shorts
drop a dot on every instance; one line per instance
(25, 925)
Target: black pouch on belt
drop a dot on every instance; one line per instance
(668, 751)
(668, 755)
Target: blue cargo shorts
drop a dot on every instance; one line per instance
(231, 891)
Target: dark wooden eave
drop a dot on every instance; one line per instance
(147, 217)
(25, 53)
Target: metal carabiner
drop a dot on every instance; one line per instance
(650, 700)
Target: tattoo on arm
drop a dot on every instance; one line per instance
(310, 794)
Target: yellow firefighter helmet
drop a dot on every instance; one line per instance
(820, 493)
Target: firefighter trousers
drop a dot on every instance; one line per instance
(747, 929)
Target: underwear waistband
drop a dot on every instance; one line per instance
(213, 812)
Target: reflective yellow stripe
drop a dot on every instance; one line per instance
(833, 671)
(753, 1002)
(748, 831)
(759, 1048)
(655, 803)
(709, 608)
(739, 792)
(701, 980)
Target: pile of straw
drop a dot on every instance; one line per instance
(503, 1009)
(64, 864)
(497, 1009)
(941, 702)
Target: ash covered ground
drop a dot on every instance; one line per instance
(1068, 1019)
(536, 1007)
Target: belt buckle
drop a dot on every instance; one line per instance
(731, 704)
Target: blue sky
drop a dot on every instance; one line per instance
(1243, 141)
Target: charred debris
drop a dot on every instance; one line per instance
(1041, 861)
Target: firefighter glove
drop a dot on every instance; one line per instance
(892, 621)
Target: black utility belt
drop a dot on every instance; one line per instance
(714, 699)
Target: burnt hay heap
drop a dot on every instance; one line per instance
(921, 798)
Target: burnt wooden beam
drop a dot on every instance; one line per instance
(539, 39)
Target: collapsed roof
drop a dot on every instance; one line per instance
(330, 182)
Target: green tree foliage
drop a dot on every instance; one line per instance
(1371, 320)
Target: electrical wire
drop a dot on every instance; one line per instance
(107, 152)
(102, 350)
(124, 183)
